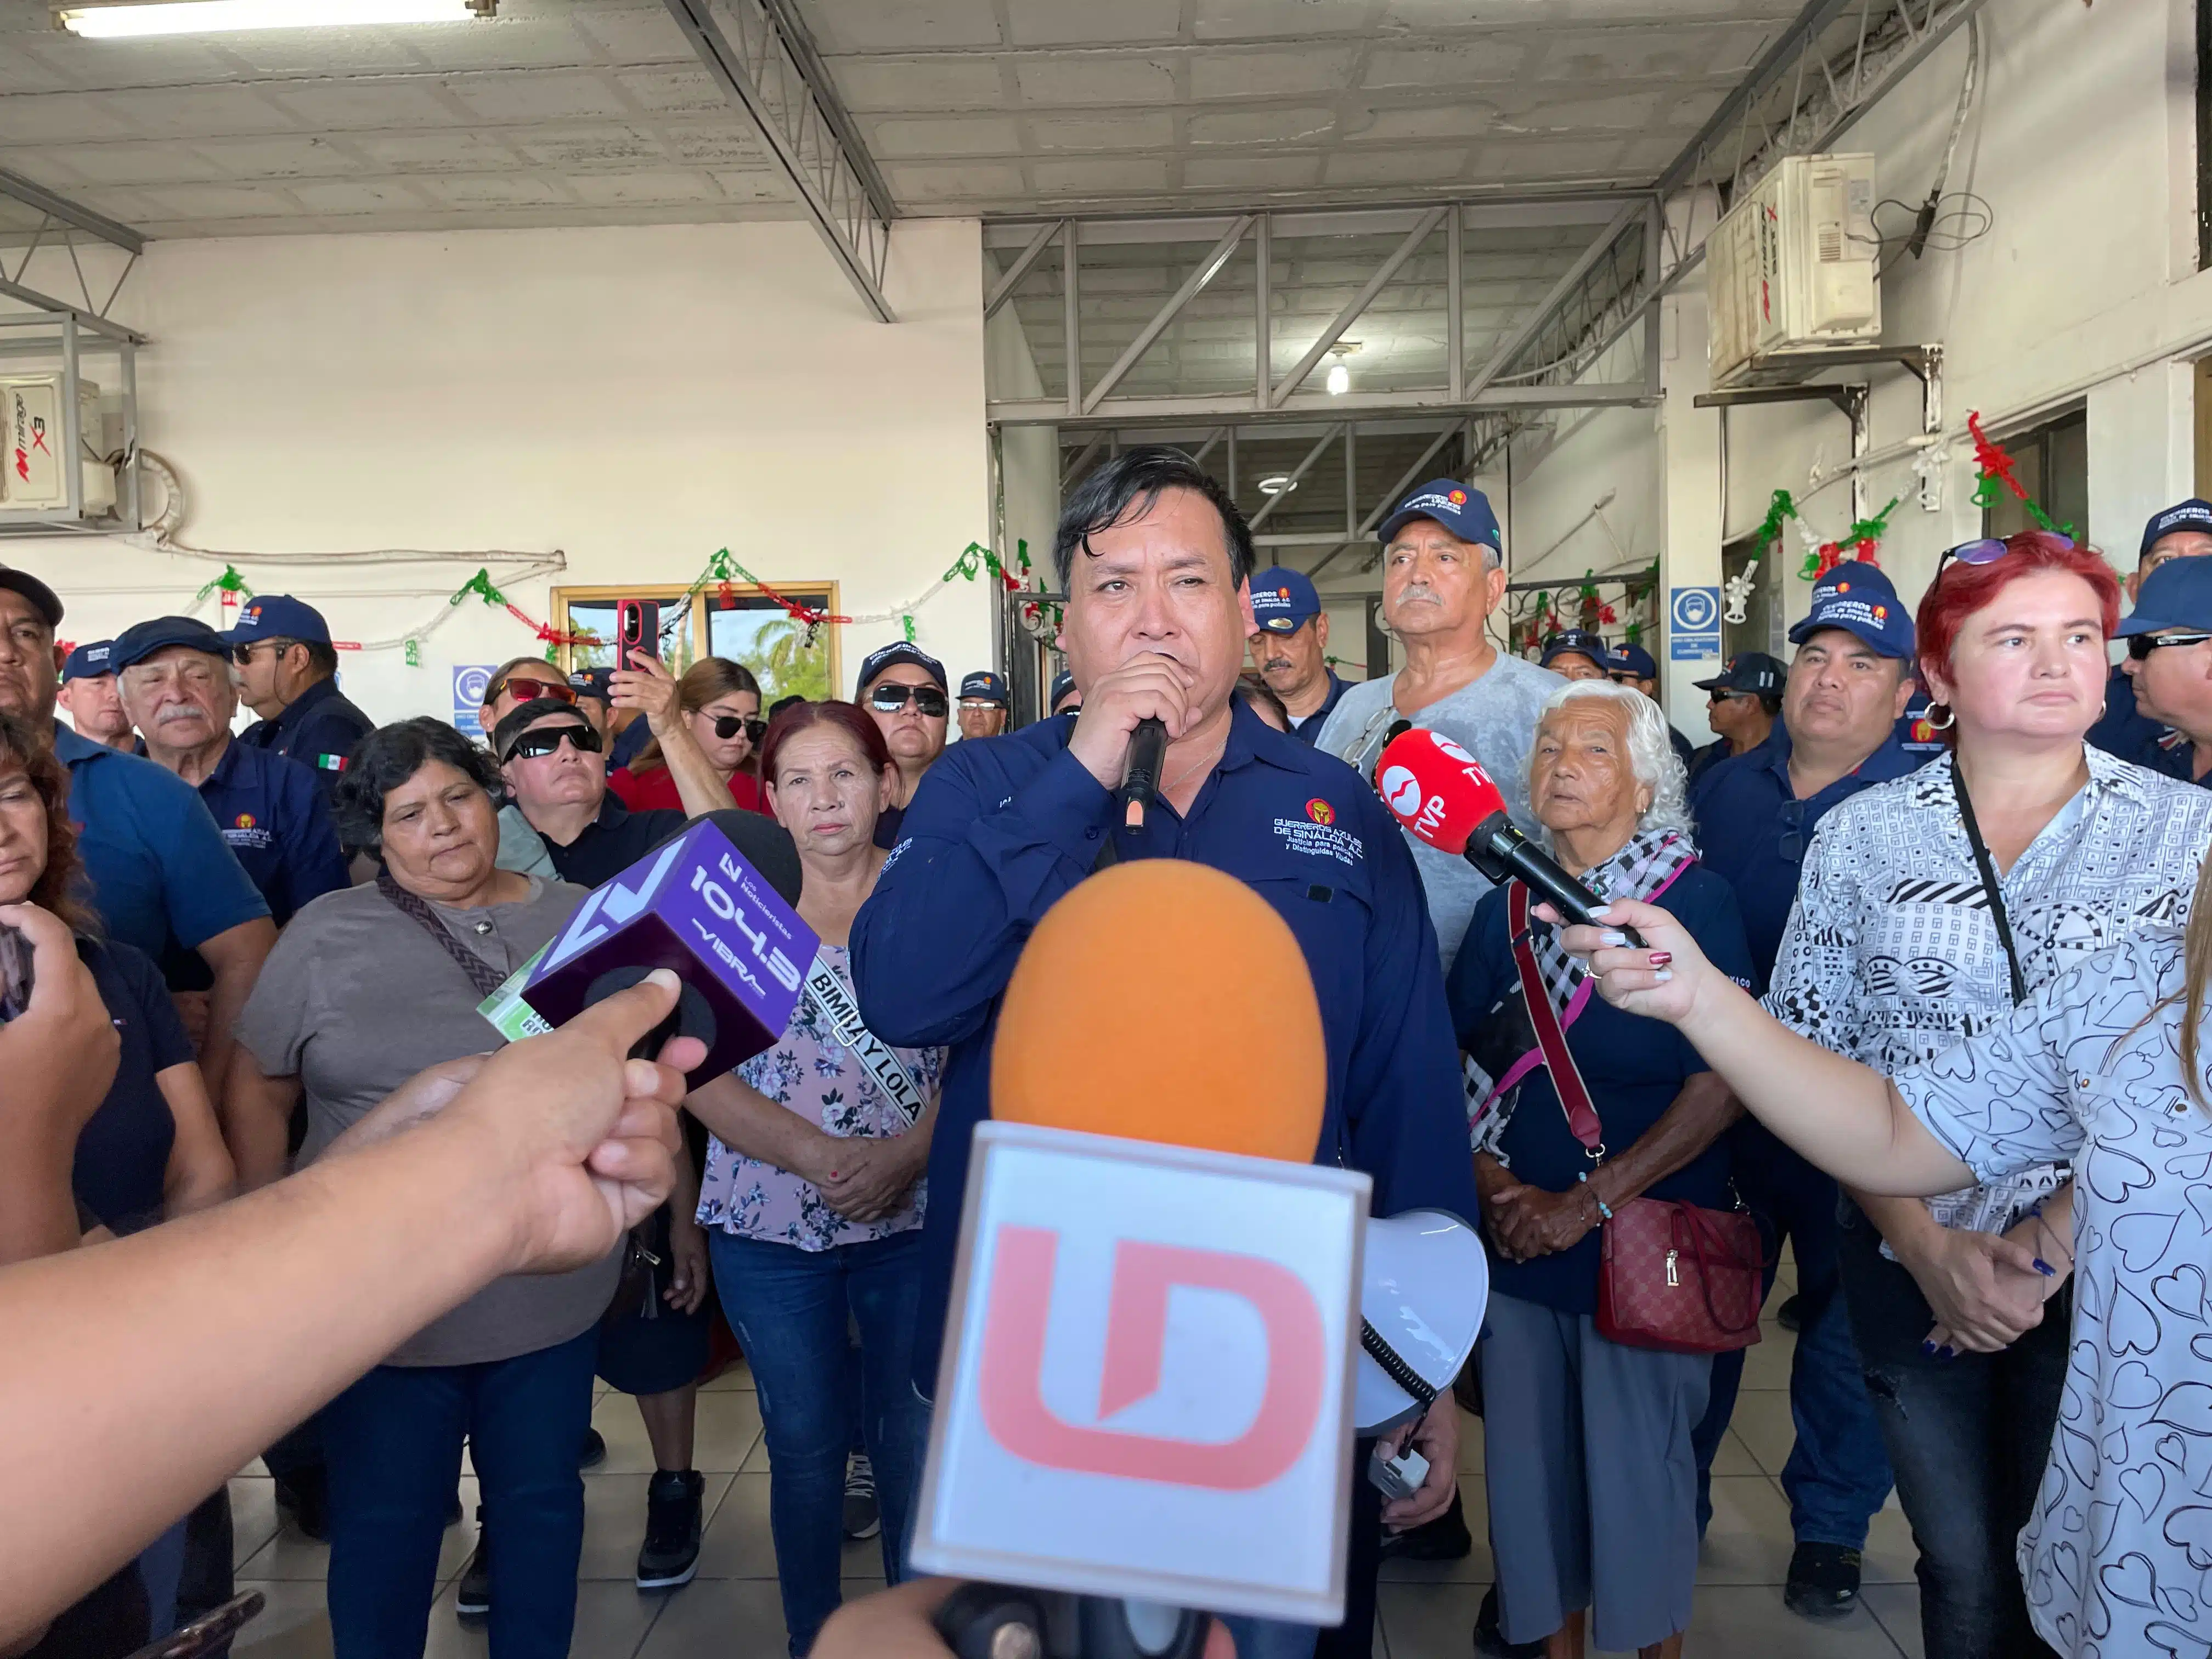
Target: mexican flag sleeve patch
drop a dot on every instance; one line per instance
(330, 762)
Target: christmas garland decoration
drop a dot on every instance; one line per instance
(1994, 467)
(1862, 538)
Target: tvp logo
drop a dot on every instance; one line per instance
(694, 906)
(1145, 1390)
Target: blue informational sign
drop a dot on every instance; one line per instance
(1693, 623)
(471, 681)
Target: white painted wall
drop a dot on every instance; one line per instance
(636, 397)
(2086, 291)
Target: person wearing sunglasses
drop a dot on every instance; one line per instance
(1837, 704)
(2183, 531)
(2169, 663)
(287, 673)
(905, 689)
(1930, 907)
(1741, 703)
(705, 726)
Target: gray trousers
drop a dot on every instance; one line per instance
(1592, 1483)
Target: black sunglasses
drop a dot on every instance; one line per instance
(890, 697)
(727, 726)
(243, 654)
(2140, 646)
(546, 739)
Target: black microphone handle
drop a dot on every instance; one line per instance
(1148, 751)
(1504, 854)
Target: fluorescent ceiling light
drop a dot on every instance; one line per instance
(116, 22)
(1280, 485)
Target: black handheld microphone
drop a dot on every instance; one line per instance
(1499, 851)
(1140, 775)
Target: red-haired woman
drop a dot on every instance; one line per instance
(813, 1198)
(1928, 908)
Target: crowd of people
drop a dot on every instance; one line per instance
(289, 925)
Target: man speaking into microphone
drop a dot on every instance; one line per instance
(1157, 560)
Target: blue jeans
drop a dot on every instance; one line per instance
(790, 1310)
(392, 1445)
(1837, 1475)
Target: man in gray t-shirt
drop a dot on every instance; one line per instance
(1441, 577)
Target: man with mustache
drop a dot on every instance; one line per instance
(1847, 683)
(1290, 650)
(1443, 575)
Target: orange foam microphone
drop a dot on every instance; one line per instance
(1145, 1393)
(1163, 1001)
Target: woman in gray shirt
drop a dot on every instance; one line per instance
(365, 988)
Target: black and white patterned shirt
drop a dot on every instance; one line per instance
(2087, 1072)
(1891, 955)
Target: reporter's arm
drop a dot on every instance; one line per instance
(259, 1310)
(199, 1172)
(646, 684)
(235, 956)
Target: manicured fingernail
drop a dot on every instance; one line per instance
(1661, 959)
(1609, 937)
(1602, 913)
(1663, 975)
(2045, 1268)
(1927, 1349)
(1946, 1352)
(665, 979)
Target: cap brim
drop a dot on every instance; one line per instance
(1805, 630)
(23, 583)
(2140, 624)
(1718, 684)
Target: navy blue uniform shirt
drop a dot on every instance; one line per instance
(158, 868)
(278, 825)
(1752, 830)
(1309, 728)
(1000, 828)
(123, 1152)
(318, 729)
(1633, 1067)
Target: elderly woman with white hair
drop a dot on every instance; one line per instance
(1587, 1439)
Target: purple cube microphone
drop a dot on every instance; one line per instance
(697, 906)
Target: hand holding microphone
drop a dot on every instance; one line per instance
(1148, 687)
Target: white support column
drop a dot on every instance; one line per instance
(1690, 494)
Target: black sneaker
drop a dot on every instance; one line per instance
(1490, 1641)
(472, 1597)
(306, 1498)
(1791, 1314)
(671, 1554)
(1823, 1580)
(1444, 1538)
(862, 1518)
(594, 1452)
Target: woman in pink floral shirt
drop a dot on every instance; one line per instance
(813, 1194)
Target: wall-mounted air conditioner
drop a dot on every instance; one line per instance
(34, 446)
(1790, 271)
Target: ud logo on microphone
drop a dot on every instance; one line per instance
(1148, 1376)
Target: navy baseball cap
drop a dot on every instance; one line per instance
(1579, 642)
(1627, 659)
(2178, 594)
(1747, 671)
(1859, 598)
(141, 639)
(278, 616)
(597, 682)
(1282, 599)
(1062, 683)
(899, 651)
(89, 662)
(1463, 511)
(2195, 513)
(983, 684)
(23, 583)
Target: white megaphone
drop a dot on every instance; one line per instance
(1424, 1282)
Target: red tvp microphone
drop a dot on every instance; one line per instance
(1148, 1376)
(1442, 795)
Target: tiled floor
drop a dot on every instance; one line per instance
(729, 1611)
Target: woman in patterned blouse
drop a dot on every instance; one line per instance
(813, 1194)
(1896, 951)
